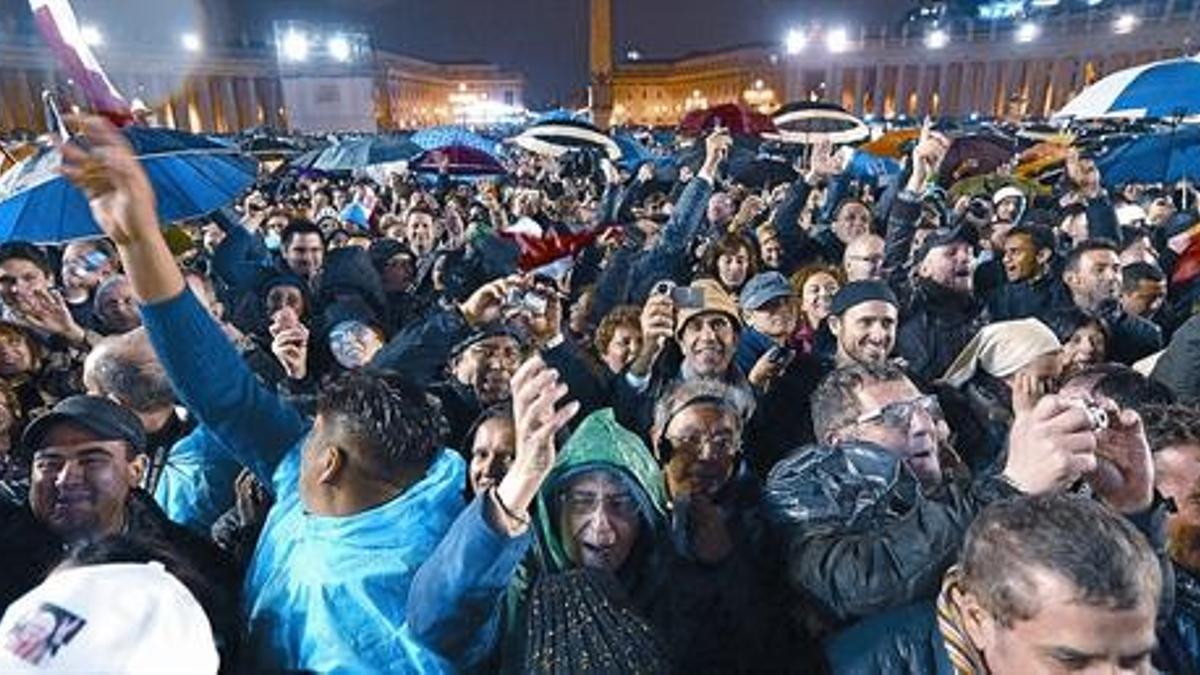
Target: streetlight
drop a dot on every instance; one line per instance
(1125, 24)
(295, 46)
(191, 42)
(91, 35)
(339, 48)
(937, 39)
(796, 41)
(1027, 32)
(837, 40)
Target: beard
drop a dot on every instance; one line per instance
(1183, 544)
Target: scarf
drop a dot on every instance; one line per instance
(964, 657)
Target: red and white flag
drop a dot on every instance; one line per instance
(56, 21)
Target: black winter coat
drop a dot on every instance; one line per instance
(857, 533)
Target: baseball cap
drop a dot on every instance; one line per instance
(763, 288)
(111, 618)
(108, 420)
(943, 236)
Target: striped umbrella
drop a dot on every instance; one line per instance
(1162, 89)
(554, 138)
(191, 176)
(808, 123)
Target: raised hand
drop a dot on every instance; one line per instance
(47, 311)
(1051, 446)
(539, 412)
(658, 328)
(1124, 476)
(1027, 391)
(289, 343)
(823, 164)
(101, 163)
(716, 149)
(486, 304)
(927, 156)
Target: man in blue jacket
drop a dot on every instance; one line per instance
(361, 497)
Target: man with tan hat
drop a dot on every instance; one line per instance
(687, 333)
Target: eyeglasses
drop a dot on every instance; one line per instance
(899, 415)
(719, 445)
(582, 504)
(504, 354)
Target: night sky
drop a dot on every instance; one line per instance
(546, 40)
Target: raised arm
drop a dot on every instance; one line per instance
(205, 369)
(455, 604)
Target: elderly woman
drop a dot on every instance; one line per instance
(603, 506)
(1003, 370)
(815, 286)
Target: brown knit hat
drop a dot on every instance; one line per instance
(715, 300)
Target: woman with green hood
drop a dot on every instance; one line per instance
(599, 505)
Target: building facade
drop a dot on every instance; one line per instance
(230, 89)
(986, 69)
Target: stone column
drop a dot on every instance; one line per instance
(601, 61)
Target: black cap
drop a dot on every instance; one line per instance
(943, 236)
(484, 332)
(383, 250)
(858, 292)
(108, 420)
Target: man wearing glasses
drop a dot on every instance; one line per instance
(871, 516)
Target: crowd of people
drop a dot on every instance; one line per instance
(596, 421)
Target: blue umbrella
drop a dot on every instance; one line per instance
(1167, 156)
(634, 153)
(557, 115)
(1161, 89)
(191, 176)
(448, 136)
(359, 153)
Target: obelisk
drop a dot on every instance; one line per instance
(600, 92)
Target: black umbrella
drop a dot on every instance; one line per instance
(765, 171)
(359, 153)
(743, 152)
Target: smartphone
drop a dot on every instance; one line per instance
(532, 301)
(778, 355)
(686, 297)
(94, 260)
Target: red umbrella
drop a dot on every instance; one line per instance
(458, 160)
(975, 155)
(739, 119)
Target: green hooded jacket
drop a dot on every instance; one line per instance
(598, 443)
